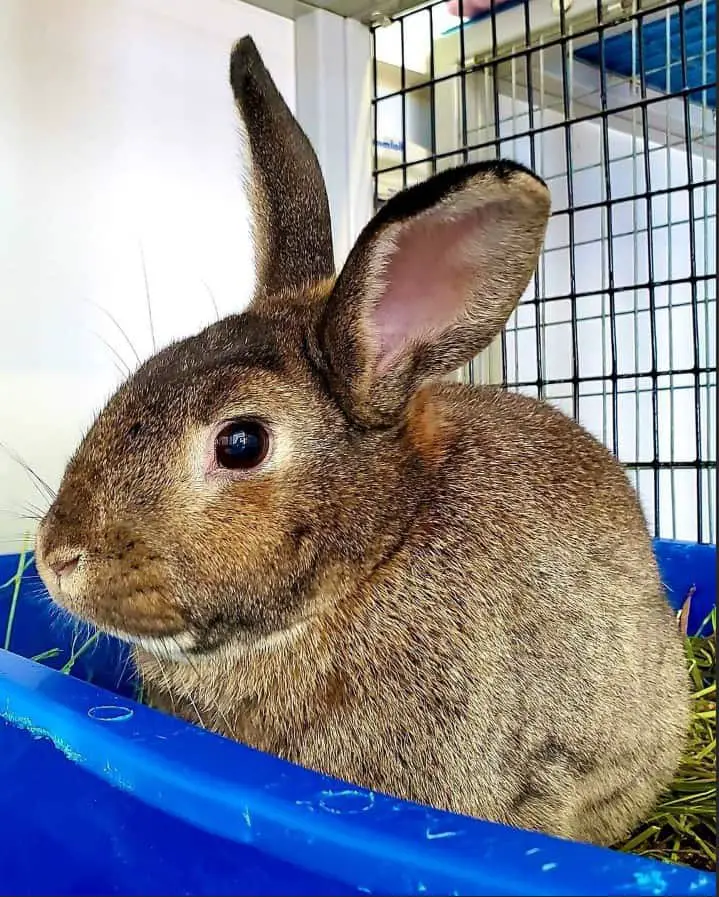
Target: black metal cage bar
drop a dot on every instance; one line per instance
(614, 105)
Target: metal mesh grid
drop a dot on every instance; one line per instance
(618, 328)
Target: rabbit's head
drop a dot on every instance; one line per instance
(239, 471)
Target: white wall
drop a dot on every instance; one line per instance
(117, 136)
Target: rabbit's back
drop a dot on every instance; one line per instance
(535, 592)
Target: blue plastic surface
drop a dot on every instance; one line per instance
(662, 66)
(102, 795)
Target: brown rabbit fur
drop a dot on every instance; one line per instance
(441, 592)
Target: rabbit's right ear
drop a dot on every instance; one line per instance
(430, 282)
(292, 227)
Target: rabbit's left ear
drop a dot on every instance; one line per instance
(290, 209)
(430, 282)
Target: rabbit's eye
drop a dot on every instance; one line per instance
(241, 445)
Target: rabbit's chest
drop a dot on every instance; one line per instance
(274, 724)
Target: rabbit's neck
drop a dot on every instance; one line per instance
(267, 693)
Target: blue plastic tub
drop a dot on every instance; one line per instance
(101, 795)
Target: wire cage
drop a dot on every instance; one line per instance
(614, 105)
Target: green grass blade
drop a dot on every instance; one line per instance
(16, 581)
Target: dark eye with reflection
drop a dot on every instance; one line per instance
(241, 445)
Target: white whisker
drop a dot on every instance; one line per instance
(118, 326)
(212, 299)
(147, 297)
(35, 478)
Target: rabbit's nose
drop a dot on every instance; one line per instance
(64, 564)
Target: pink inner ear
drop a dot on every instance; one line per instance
(427, 280)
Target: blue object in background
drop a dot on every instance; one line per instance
(660, 63)
(99, 794)
(689, 571)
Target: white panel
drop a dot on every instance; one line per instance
(118, 133)
(333, 107)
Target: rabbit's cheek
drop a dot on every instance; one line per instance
(138, 609)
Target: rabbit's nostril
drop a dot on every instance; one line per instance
(64, 566)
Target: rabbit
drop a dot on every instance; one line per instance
(321, 548)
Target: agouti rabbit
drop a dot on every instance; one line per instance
(441, 592)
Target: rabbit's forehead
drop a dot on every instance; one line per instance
(241, 340)
(193, 377)
(240, 365)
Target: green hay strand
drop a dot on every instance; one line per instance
(16, 581)
(75, 654)
(683, 828)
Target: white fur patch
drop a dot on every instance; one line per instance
(279, 639)
(165, 647)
